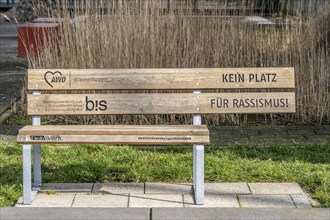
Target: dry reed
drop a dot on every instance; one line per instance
(138, 34)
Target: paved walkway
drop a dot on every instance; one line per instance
(163, 213)
(256, 135)
(167, 201)
(175, 195)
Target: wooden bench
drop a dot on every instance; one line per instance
(144, 101)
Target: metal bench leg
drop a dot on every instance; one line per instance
(198, 164)
(27, 192)
(36, 166)
(36, 120)
(198, 175)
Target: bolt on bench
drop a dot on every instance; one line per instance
(195, 103)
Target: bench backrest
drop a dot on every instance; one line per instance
(157, 91)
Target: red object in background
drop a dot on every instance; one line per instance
(33, 37)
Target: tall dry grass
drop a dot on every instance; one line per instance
(149, 34)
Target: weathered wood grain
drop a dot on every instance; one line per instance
(137, 135)
(176, 78)
(161, 103)
(115, 129)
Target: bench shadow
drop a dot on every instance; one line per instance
(85, 172)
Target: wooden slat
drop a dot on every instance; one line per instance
(114, 139)
(115, 130)
(117, 134)
(165, 103)
(135, 79)
(146, 135)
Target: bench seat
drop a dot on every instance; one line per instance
(115, 134)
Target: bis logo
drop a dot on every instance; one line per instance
(95, 105)
(54, 77)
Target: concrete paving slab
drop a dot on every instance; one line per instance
(54, 200)
(274, 130)
(155, 200)
(239, 214)
(275, 188)
(322, 130)
(301, 130)
(226, 188)
(326, 127)
(252, 130)
(168, 188)
(74, 213)
(301, 201)
(212, 201)
(215, 139)
(266, 201)
(67, 187)
(223, 129)
(119, 188)
(234, 137)
(101, 201)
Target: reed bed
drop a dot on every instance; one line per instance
(146, 34)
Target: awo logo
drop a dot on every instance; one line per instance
(46, 138)
(54, 77)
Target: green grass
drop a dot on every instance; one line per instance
(18, 119)
(309, 165)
